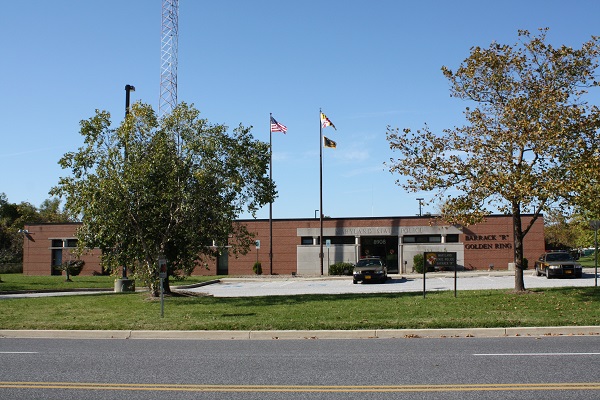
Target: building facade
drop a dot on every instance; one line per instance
(295, 245)
(46, 246)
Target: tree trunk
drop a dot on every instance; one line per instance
(155, 287)
(518, 250)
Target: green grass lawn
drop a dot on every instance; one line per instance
(136, 311)
(588, 261)
(19, 282)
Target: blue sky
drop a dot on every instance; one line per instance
(367, 64)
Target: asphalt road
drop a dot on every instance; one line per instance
(276, 286)
(470, 368)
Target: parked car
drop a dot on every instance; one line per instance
(370, 269)
(559, 263)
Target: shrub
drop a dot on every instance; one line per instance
(71, 268)
(418, 262)
(257, 268)
(341, 268)
(11, 268)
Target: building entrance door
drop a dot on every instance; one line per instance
(223, 263)
(384, 247)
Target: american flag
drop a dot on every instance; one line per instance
(277, 127)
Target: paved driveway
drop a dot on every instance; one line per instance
(279, 286)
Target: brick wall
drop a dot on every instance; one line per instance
(37, 253)
(487, 243)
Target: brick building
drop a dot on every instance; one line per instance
(47, 245)
(296, 245)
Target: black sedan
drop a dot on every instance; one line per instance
(370, 269)
(555, 264)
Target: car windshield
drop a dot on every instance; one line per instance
(366, 263)
(559, 257)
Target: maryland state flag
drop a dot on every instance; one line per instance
(325, 122)
(329, 143)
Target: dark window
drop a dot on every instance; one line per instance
(452, 238)
(57, 243)
(340, 239)
(71, 243)
(422, 239)
(306, 240)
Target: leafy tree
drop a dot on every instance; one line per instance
(50, 211)
(8, 213)
(14, 217)
(528, 140)
(170, 187)
(559, 231)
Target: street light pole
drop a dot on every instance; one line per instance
(128, 88)
(420, 199)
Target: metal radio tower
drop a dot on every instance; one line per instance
(168, 56)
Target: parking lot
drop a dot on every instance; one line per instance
(280, 286)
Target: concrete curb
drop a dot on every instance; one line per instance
(195, 285)
(81, 290)
(306, 334)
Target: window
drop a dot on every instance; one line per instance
(340, 239)
(422, 239)
(452, 238)
(60, 243)
(306, 240)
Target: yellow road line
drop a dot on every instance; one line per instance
(302, 388)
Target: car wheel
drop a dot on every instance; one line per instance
(537, 271)
(354, 281)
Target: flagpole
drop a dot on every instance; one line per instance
(270, 202)
(321, 191)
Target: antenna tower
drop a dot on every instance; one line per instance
(168, 56)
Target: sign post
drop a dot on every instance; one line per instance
(424, 272)
(162, 275)
(595, 225)
(328, 244)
